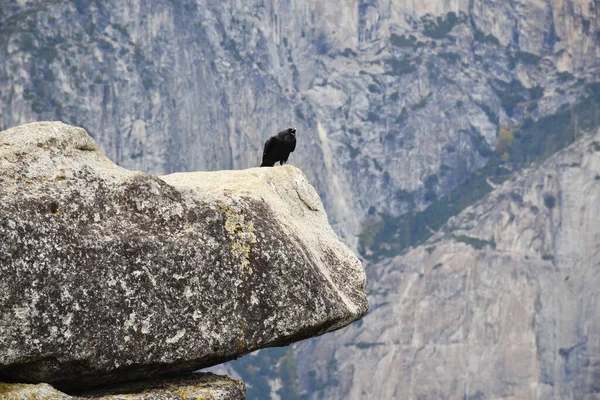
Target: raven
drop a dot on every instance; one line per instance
(279, 147)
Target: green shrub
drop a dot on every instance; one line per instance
(403, 41)
(37, 106)
(403, 116)
(105, 45)
(593, 89)
(480, 144)
(527, 58)
(49, 75)
(90, 28)
(474, 242)
(565, 76)
(349, 52)
(405, 196)
(138, 56)
(400, 66)
(442, 27)
(492, 116)
(370, 231)
(48, 53)
(452, 58)
(377, 166)
(549, 201)
(430, 196)
(431, 181)
(27, 43)
(536, 93)
(372, 117)
(374, 88)
(479, 36)
(367, 345)
(147, 82)
(353, 151)
(510, 94)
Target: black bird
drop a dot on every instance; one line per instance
(279, 147)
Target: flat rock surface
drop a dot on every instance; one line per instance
(108, 274)
(192, 386)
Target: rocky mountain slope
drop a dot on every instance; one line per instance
(407, 111)
(501, 303)
(395, 102)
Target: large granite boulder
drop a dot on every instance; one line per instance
(108, 274)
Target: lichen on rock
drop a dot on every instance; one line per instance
(242, 236)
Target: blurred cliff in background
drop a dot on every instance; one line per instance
(407, 113)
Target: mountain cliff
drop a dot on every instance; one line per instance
(395, 102)
(407, 111)
(501, 303)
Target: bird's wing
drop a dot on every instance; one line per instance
(269, 145)
(293, 144)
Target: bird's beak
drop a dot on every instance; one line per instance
(294, 131)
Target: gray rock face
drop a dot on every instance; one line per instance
(500, 304)
(385, 96)
(109, 274)
(196, 386)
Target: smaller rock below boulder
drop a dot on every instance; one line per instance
(22, 391)
(191, 386)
